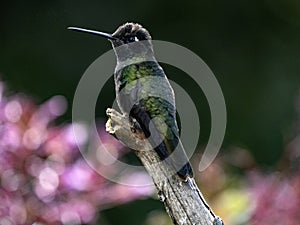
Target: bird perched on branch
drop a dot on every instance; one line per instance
(145, 95)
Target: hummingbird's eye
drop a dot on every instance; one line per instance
(133, 39)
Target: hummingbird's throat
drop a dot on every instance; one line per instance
(134, 52)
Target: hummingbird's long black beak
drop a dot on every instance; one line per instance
(99, 33)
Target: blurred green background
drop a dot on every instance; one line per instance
(251, 46)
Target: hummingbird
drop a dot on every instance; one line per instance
(144, 94)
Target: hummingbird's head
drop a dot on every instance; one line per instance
(130, 33)
(130, 40)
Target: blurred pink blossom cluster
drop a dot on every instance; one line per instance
(277, 195)
(44, 179)
(276, 199)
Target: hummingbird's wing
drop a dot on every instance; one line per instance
(144, 92)
(163, 136)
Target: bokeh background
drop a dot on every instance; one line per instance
(251, 46)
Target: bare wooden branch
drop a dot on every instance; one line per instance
(183, 200)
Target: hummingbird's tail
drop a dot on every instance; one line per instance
(177, 158)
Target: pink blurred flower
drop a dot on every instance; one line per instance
(44, 178)
(276, 198)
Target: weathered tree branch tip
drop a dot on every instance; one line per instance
(113, 114)
(115, 120)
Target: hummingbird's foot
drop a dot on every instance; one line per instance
(135, 126)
